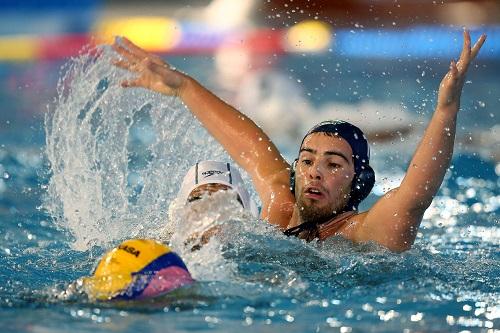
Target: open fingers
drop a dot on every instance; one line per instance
(141, 53)
(125, 53)
(464, 60)
(134, 53)
(477, 46)
(469, 54)
(136, 50)
(124, 64)
(465, 54)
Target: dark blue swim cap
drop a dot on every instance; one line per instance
(352, 134)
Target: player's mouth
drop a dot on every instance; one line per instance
(314, 192)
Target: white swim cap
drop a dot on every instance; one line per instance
(214, 172)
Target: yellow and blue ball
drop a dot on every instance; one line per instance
(137, 268)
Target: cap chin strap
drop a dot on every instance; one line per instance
(295, 231)
(307, 226)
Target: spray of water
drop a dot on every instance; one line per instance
(116, 155)
(196, 231)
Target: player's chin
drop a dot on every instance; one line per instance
(317, 203)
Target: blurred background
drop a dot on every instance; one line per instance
(286, 63)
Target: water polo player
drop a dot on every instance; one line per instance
(208, 177)
(327, 169)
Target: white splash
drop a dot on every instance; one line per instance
(196, 232)
(116, 155)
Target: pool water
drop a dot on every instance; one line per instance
(105, 164)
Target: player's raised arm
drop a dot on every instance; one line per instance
(395, 218)
(433, 155)
(247, 144)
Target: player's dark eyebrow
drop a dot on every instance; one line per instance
(328, 152)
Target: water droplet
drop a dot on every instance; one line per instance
(249, 309)
(470, 193)
(333, 322)
(367, 307)
(417, 317)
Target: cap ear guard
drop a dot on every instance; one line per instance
(361, 186)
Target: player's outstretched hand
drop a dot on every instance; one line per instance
(451, 86)
(151, 71)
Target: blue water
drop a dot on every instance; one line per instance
(250, 277)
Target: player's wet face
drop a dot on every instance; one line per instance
(207, 190)
(324, 174)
